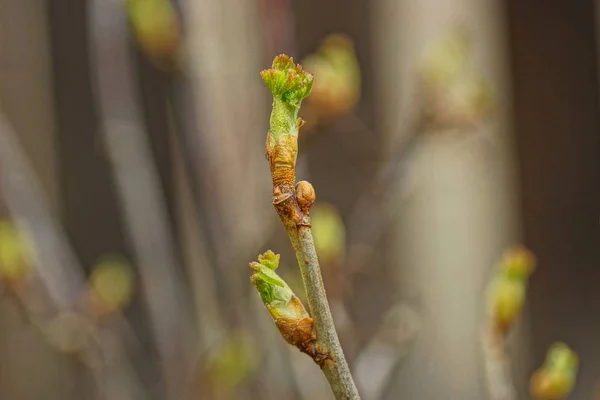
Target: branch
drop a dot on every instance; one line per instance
(289, 86)
(497, 366)
(506, 297)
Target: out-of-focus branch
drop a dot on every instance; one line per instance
(391, 344)
(61, 281)
(506, 297)
(140, 192)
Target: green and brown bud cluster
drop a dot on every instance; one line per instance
(291, 318)
(289, 85)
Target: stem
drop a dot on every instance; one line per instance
(336, 369)
(497, 365)
(289, 85)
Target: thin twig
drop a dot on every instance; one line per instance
(497, 365)
(337, 373)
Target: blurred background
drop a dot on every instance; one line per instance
(134, 192)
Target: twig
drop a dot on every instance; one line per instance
(505, 297)
(497, 365)
(337, 372)
(289, 86)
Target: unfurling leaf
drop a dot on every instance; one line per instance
(289, 84)
(291, 318)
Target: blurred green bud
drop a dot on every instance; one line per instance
(445, 59)
(336, 90)
(16, 258)
(289, 85)
(233, 360)
(469, 100)
(506, 301)
(518, 262)
(507, 290)
(557, 376)
(156, 28)
(329, 232)
(111, 285)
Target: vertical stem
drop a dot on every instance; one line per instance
(336, 371)
(497, 366)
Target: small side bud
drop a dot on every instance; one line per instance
(507, 290)
(110, 286)
(16, 254)
(555, 379)
(157, 29)
(305, 193)
(291, 318)
(446, 58)
(518, 262)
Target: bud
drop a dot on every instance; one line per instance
(329, 233)
(156, 28)
(111, 286)
(305, 193)
(507, 291)
(291, 318)
(289, 85)
(16, 258)
(444, 60)
(274, 292)
(232, 360)
(557, 376)
(336, 90)
(507, 299)
(518, 262)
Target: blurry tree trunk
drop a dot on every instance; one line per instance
(555, 68)
(459, 212)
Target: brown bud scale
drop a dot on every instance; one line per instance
(300, 334)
